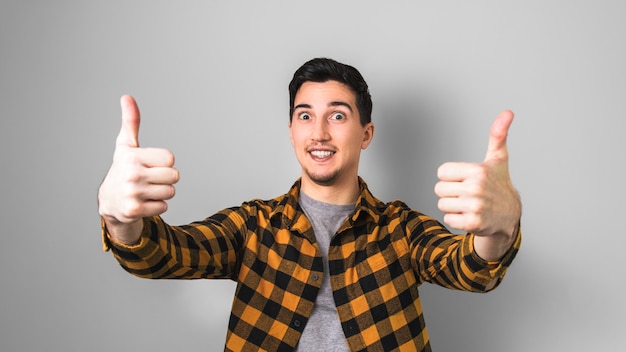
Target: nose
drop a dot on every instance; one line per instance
(319, 131)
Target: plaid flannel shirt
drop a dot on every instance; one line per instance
(377, 260)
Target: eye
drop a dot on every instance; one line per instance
(304, 116)
(338, 116)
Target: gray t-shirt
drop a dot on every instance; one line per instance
(323, 330)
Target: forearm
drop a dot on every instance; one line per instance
(494, 247)
(457, 265)
(200, 250)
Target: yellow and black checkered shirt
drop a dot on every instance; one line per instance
(377, 260)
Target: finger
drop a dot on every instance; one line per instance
(154, 157)
(497, 136)
(460, 205)
(448, 205)
(129, 133)
(457, 221)
(161, 175)
(157, 193)
(148, 208)
(137, 208)
(148, 157)
(156, 207)
(450, 189)
(457, 171)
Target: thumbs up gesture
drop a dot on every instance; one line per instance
(139, 181)
(480, 198)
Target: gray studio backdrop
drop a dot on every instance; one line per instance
(211, 80)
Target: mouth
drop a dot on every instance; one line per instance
(321, 154)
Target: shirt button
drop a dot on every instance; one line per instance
(296, 323)
(315, 277)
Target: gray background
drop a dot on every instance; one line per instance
(211, 80)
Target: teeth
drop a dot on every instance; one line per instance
(321, 153)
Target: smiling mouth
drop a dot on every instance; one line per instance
(321, 153)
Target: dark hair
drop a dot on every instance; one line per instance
(323, 70)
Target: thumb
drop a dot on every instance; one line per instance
(497, 136)
(129, 133)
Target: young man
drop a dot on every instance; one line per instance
(326, 266)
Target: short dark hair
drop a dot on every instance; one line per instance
(323, 70)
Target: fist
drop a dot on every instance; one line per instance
(479, 197)
(140, 180)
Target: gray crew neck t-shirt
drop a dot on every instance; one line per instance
(323, 330)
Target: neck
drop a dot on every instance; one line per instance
(338, 193)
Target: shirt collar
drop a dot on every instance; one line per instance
(290, 212)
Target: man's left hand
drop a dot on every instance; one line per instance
(479, 197)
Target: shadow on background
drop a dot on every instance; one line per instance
(415, 133)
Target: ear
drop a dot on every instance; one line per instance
(368, 135)
(290, 133)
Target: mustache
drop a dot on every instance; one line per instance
(320, 145)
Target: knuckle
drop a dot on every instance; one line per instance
(475, 188)
(472, 223)
(132, 176)
(477, 207)
(130, 192)
(127, 156)
(481, 172)
(131, 210)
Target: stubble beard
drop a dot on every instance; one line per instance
(326, 179)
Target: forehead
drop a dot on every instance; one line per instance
(328, 91)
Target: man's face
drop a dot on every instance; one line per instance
(327, 134)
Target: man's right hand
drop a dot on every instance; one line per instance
(139, 181)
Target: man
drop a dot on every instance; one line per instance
(326, 266)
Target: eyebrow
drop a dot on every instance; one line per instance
(332, 103)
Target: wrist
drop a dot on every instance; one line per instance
(124, 233)
(493, 247)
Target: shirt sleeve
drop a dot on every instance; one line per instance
(204, 249)
(483, 271)
(450, 260)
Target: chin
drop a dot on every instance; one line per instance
(323, 180)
